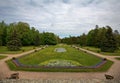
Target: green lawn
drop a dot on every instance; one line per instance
(116, 53)
(4, 50)
(1, 57)
(49, 54)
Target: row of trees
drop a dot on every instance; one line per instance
(103, 38)
(15, 35)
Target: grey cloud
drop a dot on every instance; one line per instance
(68, 17)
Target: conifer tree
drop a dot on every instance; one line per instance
(14, 42)
(109, 43)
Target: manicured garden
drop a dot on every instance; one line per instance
(94, 49)
(49, 57)
(70, 54)
(4, 50)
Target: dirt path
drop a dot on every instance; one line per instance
(4, 69)
(114, 70)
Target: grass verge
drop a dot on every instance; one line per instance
(2, 57)
(97, 50)
(118, 58)
(4, 50)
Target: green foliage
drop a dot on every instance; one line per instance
(109, 43)
(26, 39)
(2, 57)
(4, 49)
(117, 37)
(26, 35)
(48, 38)
(103, 38)
(90, 38)
(96, 36)
(37, 40)
(118, 58)
(83, 40)
(14, 43)
(3, 33)
(71, 40)
(0, 41)
(99, 37)
(98, 50)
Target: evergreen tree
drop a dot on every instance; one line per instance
(117, 37)
(3, 33)
(0, 40)
(90, 38)
(14, 43)
(109, 43)
(37, 40)
(83, 40)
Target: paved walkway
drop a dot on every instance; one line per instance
(114, 70)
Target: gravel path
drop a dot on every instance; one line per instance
(114, 70)
(60, 81)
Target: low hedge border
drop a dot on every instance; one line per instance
(98, 65)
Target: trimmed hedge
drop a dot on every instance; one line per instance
(18, 64)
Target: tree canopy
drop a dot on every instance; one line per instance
(101, 37)
(14, 35)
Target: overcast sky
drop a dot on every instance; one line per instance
(63, 17)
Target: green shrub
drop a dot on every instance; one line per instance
(14, 45)
(98, 51)
(35, 50)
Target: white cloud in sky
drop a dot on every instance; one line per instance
(63, 17)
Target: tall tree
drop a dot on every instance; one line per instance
(3, 33)
(109, 43)
(83, 40)
(48, 38)
(90, 38)
(14, 43)
(36, 38)
(117, 37)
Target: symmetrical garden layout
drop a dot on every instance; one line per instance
(62, 58)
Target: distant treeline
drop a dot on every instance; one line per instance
(104, 38)
(15, 35)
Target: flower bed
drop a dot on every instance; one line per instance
(18, 64)
(60, 62)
